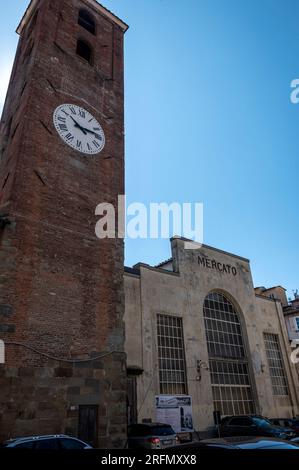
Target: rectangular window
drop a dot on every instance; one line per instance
(171, 355)
(276, 366)
(296, 319)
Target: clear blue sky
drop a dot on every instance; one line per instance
(209, 119)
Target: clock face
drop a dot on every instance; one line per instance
(79, 129)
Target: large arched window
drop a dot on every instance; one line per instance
(84, 51)
(86, 21)
(227, 357)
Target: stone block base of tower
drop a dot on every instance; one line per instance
(85, 400)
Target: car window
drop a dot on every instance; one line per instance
(138, 430)
(240, 421)
(275, 422)
(162, 431)
(225, 420)
(262, 422)
(71, 444)
(42, 444)
(25, 445)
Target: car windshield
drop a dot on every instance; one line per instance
(6, 444)
(262, 422)
(162, 431)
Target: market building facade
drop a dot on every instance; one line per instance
(195, 326)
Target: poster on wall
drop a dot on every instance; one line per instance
(176, 411)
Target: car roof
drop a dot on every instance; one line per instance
(239, 440)
(244, 416)
(35, 438)
(150, 424)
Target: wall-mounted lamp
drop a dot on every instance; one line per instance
(199, 366)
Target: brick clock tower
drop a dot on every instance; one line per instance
(61, 288)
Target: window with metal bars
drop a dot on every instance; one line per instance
(276, 366)
(230, 379)
(171, 355)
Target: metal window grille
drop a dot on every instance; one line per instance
(171, 355)
(276, 367)
(228, 363)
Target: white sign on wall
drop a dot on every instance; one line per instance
(176, 411)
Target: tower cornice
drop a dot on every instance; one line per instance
(92, 3)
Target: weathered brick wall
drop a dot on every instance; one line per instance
(61, 289)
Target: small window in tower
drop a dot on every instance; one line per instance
(84, 51)
(86, 21)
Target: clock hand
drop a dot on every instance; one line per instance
(78, 125)
(91, 132)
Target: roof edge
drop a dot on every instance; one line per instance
(211, 248)
(264, 297)
(26, 16)
(93, 3)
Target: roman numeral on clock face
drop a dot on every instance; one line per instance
(63, 127)
(69, 137)
(96, 144)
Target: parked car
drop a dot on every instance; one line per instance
(52, 442)
(151, 436)
(287, 422)
(253, 425)
(184, 437)
(243, 442)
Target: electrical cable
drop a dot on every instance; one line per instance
(70, 361)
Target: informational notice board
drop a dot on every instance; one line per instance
(176, 411)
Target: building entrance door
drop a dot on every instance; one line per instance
(88, 424)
